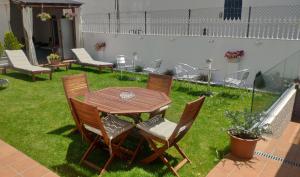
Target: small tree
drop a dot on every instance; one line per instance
(11, 42)
(1, 50)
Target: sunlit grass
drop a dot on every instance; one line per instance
(35, 118)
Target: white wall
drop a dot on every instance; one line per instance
(98, 6)
(4, 18)
(259, 55)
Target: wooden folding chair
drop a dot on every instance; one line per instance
(109, 131)
(162, 83)
(159, 130)
(75, 86)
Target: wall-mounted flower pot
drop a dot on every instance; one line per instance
(233, 60)
(242, 148)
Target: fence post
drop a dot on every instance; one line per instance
(145, 22)
(249, 18)
(189, 22)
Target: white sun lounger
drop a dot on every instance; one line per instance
(85, 59)
(19, 62)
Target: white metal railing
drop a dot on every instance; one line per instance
(197, 23)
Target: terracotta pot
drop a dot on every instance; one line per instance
(243, 148)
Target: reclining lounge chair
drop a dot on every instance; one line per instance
(20, 63)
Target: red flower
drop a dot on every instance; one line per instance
(234, 54)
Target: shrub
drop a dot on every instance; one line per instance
(203, 77)
(11, 42)
(139, 69)
(1, 50)
(169, 72)
(247, 125)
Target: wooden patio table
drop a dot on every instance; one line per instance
(109, 100)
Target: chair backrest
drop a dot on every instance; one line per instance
(245, 76)
(157, 63)
(75, 85)
(162, 83)
(180, 71)
(82, 55)
(88, 115)
(187, 119)
(121, 59)
(17, 58)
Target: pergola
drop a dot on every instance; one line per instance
(27, 19)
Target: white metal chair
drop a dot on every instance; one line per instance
(122, 64)
(154, 67)
(237, 79)
(186, 72)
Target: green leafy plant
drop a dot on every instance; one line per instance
(203, 77)
(11, 42)
(247, 125)
(139, 69)
(44, 16)
(169, 72)
(1, 50)
(53, 57)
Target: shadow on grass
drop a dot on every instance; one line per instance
(191, 91)
(92, 70)
(126, 78)
(219, 153)
(24, 77)
(78, 146)
(62, 130)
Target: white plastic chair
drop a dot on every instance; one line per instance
(234, 80)
(154, 67)
(186, 72)
(122, 64)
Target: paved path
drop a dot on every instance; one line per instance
(14, 163)
(274, 158)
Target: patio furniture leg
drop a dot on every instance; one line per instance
(108, 162)
(136, 150)
(50, 75)
(157, 151)
(182, 153)
(166, 162)
(33, 77)
(88, 151)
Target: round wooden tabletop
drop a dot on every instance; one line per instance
(144, 101)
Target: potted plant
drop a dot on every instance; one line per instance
(139, 68)
(69, 15)
(1, 50)
(99, 47)
(234, 56)
(53, 58)
(245, 131)
(44, 16)
(169, 72)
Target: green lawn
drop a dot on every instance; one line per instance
(35, 118)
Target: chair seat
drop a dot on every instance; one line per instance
(158, 127)
(149, 69)
(233, 81)
(113, 126)
(187, 76)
